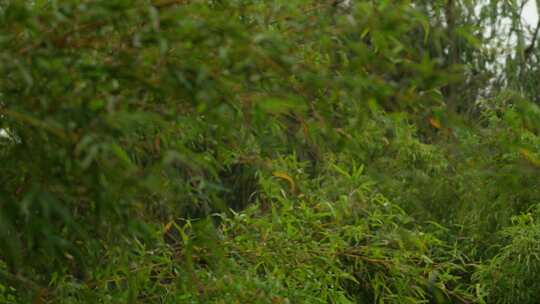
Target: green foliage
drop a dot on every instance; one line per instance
(512, 275)
(310, 246)
(353, 245)
(6, 296)
(266, 152)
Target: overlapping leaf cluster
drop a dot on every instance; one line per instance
(210, 151)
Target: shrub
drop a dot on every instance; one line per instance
(512, 275)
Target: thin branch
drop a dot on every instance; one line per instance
(530, 48)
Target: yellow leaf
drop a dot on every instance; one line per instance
(286, 177)
(168, 227)
(530, 157)
(434, 122)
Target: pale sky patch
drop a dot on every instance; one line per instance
(530, 13)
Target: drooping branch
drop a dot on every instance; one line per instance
(531, 46)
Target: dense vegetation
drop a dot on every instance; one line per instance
(247, 151)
